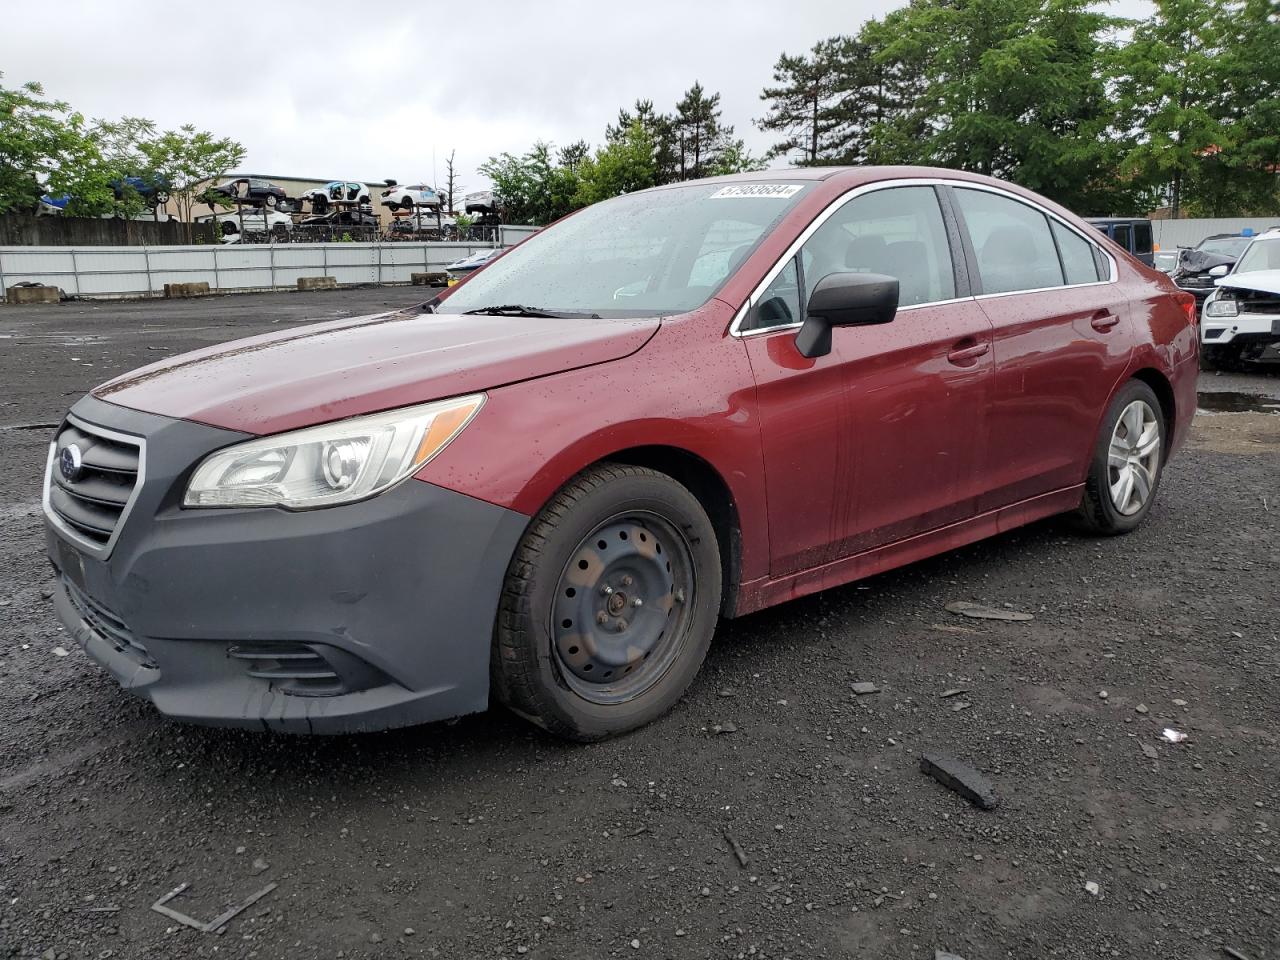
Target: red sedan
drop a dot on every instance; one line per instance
(548, 484)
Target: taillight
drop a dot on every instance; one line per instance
(1188, 303)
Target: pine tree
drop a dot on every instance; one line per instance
(700, 137)
(801, 107)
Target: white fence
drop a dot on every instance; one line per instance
(1171, 234)
(141, 271)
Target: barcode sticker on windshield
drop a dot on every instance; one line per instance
(778, 191)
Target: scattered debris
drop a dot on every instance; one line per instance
(737, 850)
(1179, 703)
(60, 652)
(727, 727)
(1234, 954)
(1140, 708)
(726, 692)
(981, 611)
(961, 778)
(1102, 694)
(961, 705)
(1173, 736)
(618, 782)
(864, 687)
(1151, 752)
(1092, 887)
(260, 866)
(943, 955)
(953, 692)
(950, 628)
(217, 922)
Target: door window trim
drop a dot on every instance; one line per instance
(735, 328)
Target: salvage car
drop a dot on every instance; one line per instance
(472, 262)
(406, 198)
(343, 192)
(261, 220)
(547, 484)
(484, 202)
(1211, 258)
(1241, 318)
(251, 190)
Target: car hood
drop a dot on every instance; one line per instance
(1264, 281)
(345, 368)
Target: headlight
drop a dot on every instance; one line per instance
(1221, 307)
(330, 464)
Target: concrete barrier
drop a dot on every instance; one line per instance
(435, 278)
(33, 294)
(317, 283)
(197, 289)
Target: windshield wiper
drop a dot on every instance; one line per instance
(520, 310)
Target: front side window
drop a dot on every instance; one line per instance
(1078, 260)
(1261, 255)
(1124, 236)
(652, 253)
(1012, 242)
(779, 305)
(898, 232)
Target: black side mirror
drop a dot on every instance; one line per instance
(845, 300)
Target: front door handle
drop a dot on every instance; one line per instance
(964, 356)
(1103, 321)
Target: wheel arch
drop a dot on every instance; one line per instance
(710, 489)
(1163, 390)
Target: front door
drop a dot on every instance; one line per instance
(880, 440)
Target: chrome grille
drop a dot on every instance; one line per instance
(91, 502)
(107, 625)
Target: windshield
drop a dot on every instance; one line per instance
(1226, 246)
(644, 254)
(1261, 255)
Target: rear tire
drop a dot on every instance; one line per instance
(1128, 460)
(609, 604)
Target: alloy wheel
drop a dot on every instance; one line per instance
(1133, 458)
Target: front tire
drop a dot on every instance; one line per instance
(609, 604)
(1228, 357)
(1128, 460)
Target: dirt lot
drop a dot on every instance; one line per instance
(485, 839)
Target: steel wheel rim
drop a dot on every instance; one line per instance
(1133, 458)
(620, 621)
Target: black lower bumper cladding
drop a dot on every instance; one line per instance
(366, 616)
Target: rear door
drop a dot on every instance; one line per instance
(882, 438)
(1061, 341)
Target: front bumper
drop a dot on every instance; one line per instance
(362, 617)
(1242, 328)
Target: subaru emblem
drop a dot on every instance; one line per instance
(71, 463)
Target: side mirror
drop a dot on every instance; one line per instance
(845, 300)
(1221, 270)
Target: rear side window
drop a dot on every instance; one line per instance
(1012, 242)
(1142, 238)
(898, 232)
(1123, 236)
(1078, 261)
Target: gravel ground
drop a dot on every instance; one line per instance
(485, 839)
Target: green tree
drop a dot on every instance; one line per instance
(661, 130)
(534, 189)
(572, 156)
(622, 165)
(189, 160)
(1170, 84)
(803, 106)
(45, 147)
(736, 158)
(700, 136)
(120, 143)
(1242, 177)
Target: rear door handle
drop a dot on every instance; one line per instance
(964, 356)
(1103, 321)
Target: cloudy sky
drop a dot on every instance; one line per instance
(369, 90)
